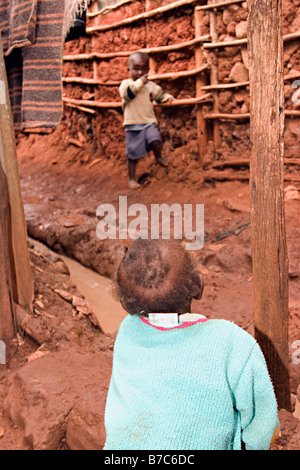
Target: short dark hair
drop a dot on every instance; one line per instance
(157, 276)
(140, 54)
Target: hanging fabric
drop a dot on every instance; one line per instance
(33, 33)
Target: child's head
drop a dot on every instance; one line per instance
(157, 276)
(138, 65)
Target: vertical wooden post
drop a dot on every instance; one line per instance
(200, 82)
(7, 315)
(94, 8)
(22, 283)
(214, 74)
(152, 62)
(269, 250)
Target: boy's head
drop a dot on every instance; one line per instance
(158, 276)
(138, 65)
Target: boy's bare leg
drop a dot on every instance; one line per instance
(133, 184)
(156, 146)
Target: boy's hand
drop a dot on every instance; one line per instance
(144, 79)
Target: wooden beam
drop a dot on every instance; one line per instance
(268, 232)
(213, 62)
(175, 75)
(142, 16)
(107, 9)
(200, 82)
(20, 263)
(218, 5)
(240, 116)
(81, 108)
(240, 42)
(226, 86)
(147, 50)
(158, 76)
(245, 116)
(118, 104)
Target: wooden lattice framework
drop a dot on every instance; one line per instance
(205, 92)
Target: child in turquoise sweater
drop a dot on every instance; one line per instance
(181, 381)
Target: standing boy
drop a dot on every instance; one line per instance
(142, 134)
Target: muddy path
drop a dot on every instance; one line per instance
(53, 390)
(99, 291)
(61, 193)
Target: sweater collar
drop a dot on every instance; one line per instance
(172, 320)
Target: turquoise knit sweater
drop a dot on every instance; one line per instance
(196, 386)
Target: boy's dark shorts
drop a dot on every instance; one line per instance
(138, 143)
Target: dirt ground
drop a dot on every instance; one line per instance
(62, 186)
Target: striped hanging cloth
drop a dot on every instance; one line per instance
(33, 33)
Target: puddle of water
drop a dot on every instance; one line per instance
(97, 291)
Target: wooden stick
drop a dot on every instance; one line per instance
(230, 163)
(232, 175)
(147, 50)
(242, 84)
(226, 175)
(171, 75)
(225, 86)
(287, 113)
(292, 76)
(213, 61)
(81, 108)
(246, 162)
(38, 130)
(216, 45)
(108, 104)
(174, 75)
(107, 9)
(93, 41)
(162, 76)
(148, 26)
(239, 42)
(187, 101)
(291, 36)
(142, 16)
(200, 82)
(97, 55)
(218, 5)
(227, 116)
(93, 103)
(291, 113)
(90, 81)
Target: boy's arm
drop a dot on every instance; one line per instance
(255, 401)
(129, 89)
(159, 95)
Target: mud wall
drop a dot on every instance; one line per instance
(95, 65)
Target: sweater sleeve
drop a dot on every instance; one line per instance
(256, 403)
(159, 95)
(129, 89)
